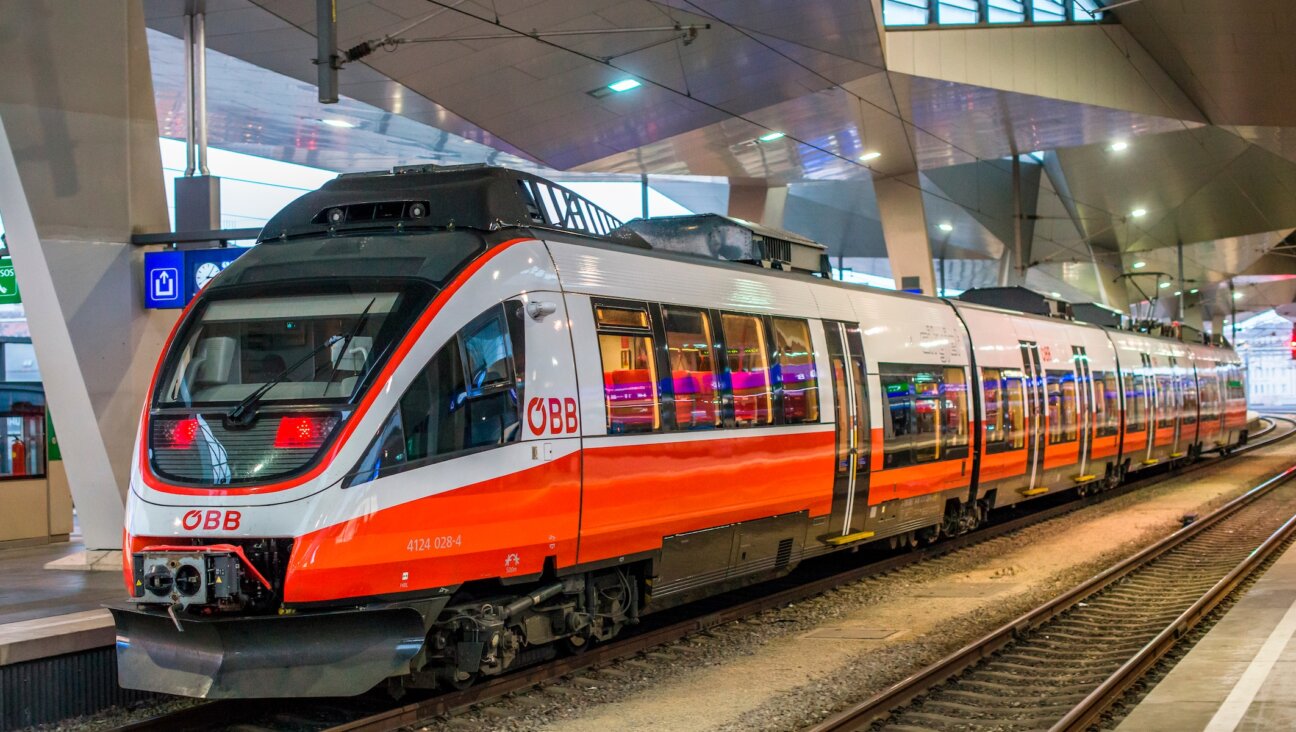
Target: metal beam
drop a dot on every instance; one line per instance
(189, 237)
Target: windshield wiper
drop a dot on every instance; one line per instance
(244, 412)
(364, 316)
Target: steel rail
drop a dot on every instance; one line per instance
(901, 693)
(521, 679)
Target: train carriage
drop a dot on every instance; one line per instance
(444, 422)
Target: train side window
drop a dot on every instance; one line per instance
(1060, 388)
(923, 412)
(1014, 382)
(996, 414)
(1107, 401)
(693, 369)
(1166, 408)
(630, 387)
(927, 412)
(432, 412)
(900, 424)
(1135, 402)
(796, 371)
(1188, 398)
(747, 360)
(954, 414)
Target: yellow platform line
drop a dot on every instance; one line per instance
(857, 536)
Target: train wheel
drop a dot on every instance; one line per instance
(455, 680)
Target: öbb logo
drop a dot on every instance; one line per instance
(552, 416)
(211, 520)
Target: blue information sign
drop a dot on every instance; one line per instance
(172, 278)
(163, 283)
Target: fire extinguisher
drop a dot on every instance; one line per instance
(18, 457)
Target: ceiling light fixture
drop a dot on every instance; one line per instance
(946, 227)
(1193, 291)
(344, 124)
(1164, 285)
(1178, 293)
(1119, 146)
(624, 85)
(1138, 213)
(1140, 264)
(1055, 294)
(871, 155)
(1237, 296)
(771, 136)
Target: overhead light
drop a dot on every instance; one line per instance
(1138, 213)
(338, 123)
(1164, 285)
(1140, 264)
(1178, 293)
(771, 136)
(615, 87)
(1055, 294)
(624, 85)
(1193, 291)
(1237, 296)
(871, 155)
(1119, 146)
(946, 227)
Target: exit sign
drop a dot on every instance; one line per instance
(8, 283)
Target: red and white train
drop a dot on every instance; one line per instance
(442, 422)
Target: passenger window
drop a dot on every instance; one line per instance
(996, 433)
(954, 415)
(747, 359)
(1188, 394)
(1015, 390)
(467, 397)
(1166, 402)
(796, 371)
(693, 372)
(1107, 402)
(1060, 388)
(927, 414)
(630, 387)
(1135, 402)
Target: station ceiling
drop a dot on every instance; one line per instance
(1213, 164)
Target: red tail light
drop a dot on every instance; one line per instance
(303, 432)
(177, 434)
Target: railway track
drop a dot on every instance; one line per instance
(1061, 666)
(372, 713)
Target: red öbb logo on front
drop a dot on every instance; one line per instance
(211, 520)
(552, 416)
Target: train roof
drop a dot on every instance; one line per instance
(491, 198)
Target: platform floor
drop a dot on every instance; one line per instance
(1242, 675)
(28, 591)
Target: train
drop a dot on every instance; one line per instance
(443, 422)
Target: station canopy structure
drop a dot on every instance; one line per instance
(1141, 133)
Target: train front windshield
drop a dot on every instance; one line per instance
(318, 347)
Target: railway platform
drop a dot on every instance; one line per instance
(56, 641)
(1240, 676)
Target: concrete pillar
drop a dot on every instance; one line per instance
(904, 224)
(757, 201)
(80, 171)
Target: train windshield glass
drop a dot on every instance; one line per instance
(318, 346)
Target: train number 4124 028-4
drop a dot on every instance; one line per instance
(434, 543)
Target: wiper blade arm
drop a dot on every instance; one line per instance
(243, 412)
(355, 329)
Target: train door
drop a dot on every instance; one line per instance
(850, 486)
(1034, 371)
(1151, 389)
(1084, 405)
(1176, 390)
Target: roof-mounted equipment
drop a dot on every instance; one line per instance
(713, 236)
(1019, 299)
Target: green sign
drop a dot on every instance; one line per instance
(8, 283)
(52, 440)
